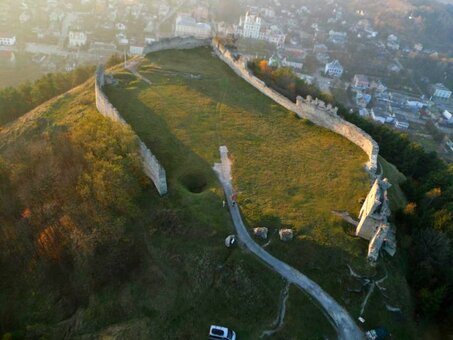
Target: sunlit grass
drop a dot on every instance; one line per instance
(287, 171)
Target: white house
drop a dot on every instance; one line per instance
(393, 42)
(440, 91)
(251, 26)
(448, 116)
(7, 39)
(187, 26)
(135, 49)
(334, 69)
(292, 62)
(77, 38)
(337, 38)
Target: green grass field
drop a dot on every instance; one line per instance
(287, 172)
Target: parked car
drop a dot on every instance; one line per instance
(223, 333)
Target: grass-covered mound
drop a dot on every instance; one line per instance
(88, 247)
(287, 171)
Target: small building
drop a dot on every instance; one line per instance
(439, 90)
(320, 48)
(363, 112)
(136, 49)
(362, 99)
(187, 26)
(337, 38)
(393, 42)
(360, 82)
(448, 116)
(251, 26)
(334, 69)
(401, 124)
(7, 39)
(293, 63)
(77, 38)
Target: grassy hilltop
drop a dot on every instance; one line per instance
(287, 171)
(88, 248)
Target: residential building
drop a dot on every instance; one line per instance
(136, 49)
(448, 116)
(440, 91)
(418, 47)
(7, 39)
(360, 82)
(378, 87)
(362, 99)
(320, 48)
(401, 124)
(77, 38)
(188, 26)
(334, 69)
(338, 38)
(393, 42)
(292, 62)
(251, 26)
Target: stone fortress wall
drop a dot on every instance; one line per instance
(152, 168)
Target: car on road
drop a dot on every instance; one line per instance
(220, 332)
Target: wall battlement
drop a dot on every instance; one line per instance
(151, 166)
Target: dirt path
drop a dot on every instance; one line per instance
(345, 326)
(278, 323)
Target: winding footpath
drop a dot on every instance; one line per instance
(345, 326)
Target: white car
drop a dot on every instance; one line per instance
(223, 333)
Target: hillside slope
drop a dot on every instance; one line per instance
(87, 247)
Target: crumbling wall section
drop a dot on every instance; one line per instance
(151, 166)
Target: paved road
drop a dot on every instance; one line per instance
(345, 326)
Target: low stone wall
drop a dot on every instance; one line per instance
(177, 43)
(151, 165)
(314, 110)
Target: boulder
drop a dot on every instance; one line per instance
(260, 232)
(286, 234)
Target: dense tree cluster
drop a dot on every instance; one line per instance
(68, 198)
(425, 226)
(14, 102)
(284, 81)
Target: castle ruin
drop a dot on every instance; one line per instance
(374, 225)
